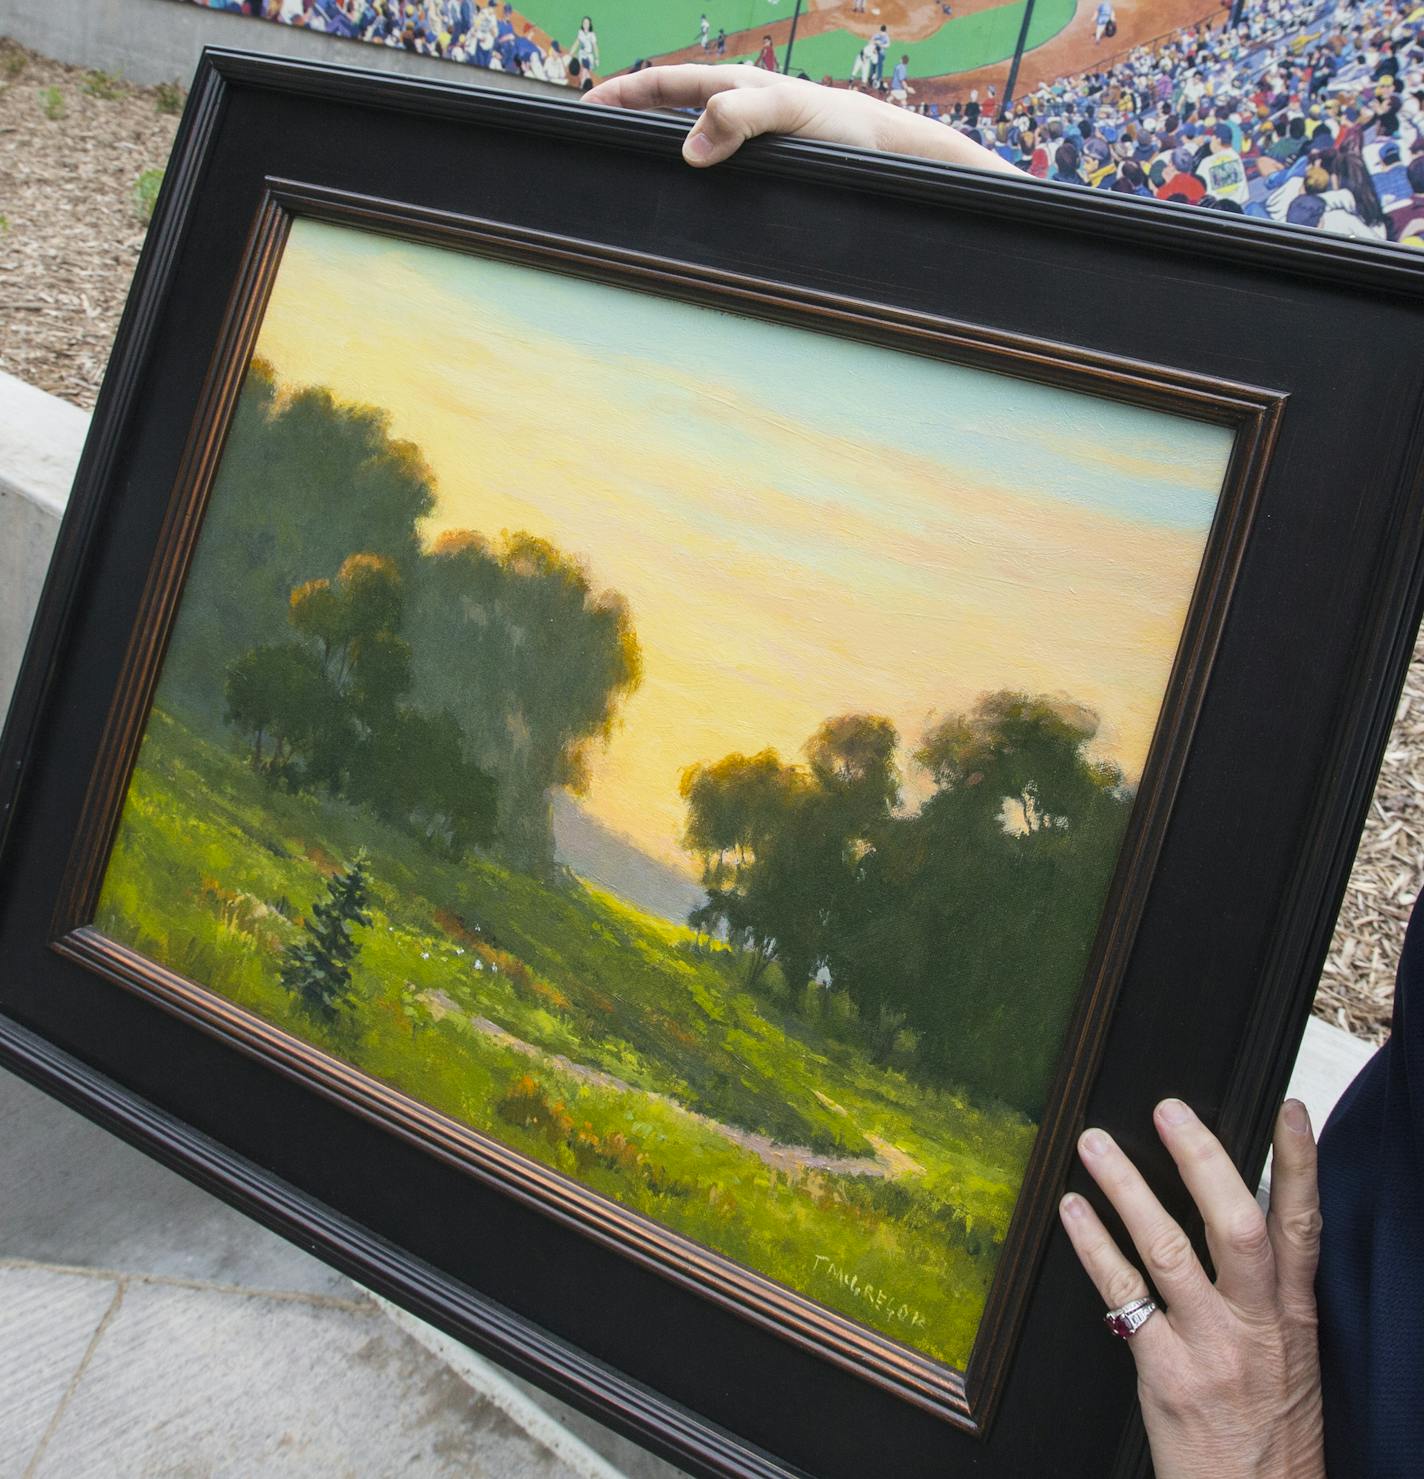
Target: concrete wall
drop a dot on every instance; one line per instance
(151, 41)
(40, 442)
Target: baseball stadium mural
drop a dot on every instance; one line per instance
(948, 47)
(1294, 111)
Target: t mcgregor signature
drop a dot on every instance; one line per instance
(879, 1298)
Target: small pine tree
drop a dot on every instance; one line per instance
(317, 969)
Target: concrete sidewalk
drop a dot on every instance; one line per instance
(148, 1330)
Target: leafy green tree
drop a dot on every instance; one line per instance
(852, 759)
(513, 640)
(736, 808)
(413, 771)
(993, 891)
(332, 707)
(379, 678)
(281, 697)
(353, 623)
(781, 845)
(318, 612)
(408, 765)
(304, 480)
(325, 697)
(1024, 750)
(734, 805)
(317, 968)
(952, 939)
(356, 620)
(361, 607)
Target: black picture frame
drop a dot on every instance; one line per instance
(1242, 836)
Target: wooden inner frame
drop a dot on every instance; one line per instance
(968, 1398)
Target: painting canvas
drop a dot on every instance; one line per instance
(691, 750)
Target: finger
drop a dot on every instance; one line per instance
(1166, 1252)
(1113, 1276)
(732, 117)
(1294, 1222)
(1235, 1225)
(685, 86)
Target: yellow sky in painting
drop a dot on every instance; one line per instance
(779, 571)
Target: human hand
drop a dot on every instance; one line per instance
(738, 103)
(1228, 1374)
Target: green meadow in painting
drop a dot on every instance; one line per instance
(690, 750)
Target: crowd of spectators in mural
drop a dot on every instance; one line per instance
(1305, 112)
(485, 33)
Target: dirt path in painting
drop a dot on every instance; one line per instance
(888, 1160)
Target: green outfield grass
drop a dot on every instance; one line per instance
(596, 1038)
(960, 45)
(629, 31)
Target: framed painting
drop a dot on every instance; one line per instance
(634, 776)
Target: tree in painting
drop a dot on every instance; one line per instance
(944, 926)
(512, 639)
(327, 709)
(780, 845)
(317, 969)
(278, 695)
(305, 481)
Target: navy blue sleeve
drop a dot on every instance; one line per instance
(1371, 1280)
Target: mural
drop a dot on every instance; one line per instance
(1298, 114)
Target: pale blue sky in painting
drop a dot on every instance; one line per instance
(1082, 449)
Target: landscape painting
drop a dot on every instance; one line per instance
(691, 750)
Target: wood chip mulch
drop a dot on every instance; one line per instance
(70, 234)
(1356, 989)
(70, 228)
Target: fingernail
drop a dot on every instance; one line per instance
(1094, 1142)
(1297, 1117)
(1072, 1205)
(1173, 1112)
(698, 146)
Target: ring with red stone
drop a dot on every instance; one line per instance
(1127, 1319)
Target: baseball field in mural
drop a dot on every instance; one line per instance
(954, 49)
(689, 749)
(540, 37)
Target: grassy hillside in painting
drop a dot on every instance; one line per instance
(598, 1039)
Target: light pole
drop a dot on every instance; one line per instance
(791, 40)
(1018, 57)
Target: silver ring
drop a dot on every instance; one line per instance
(1127, 1319)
